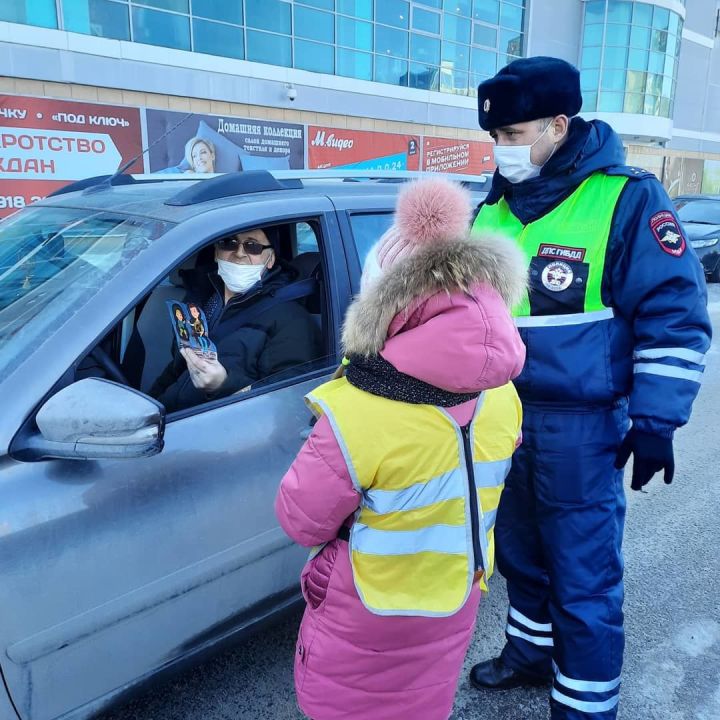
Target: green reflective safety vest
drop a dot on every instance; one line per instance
(565, 252)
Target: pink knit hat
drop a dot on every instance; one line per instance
(428, 211)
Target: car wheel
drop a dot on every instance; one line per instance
(714, 276)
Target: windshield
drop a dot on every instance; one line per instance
(52, 260)
(701, 211)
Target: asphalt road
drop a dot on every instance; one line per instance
(672, 608)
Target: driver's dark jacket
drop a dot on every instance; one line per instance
(276, 339)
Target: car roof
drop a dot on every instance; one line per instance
(155, 198)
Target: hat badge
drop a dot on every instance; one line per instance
(486, 105)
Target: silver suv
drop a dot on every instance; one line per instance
(132, 541)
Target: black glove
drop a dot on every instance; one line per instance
(651, 453)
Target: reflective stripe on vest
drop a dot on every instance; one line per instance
(565, 251)
(411, 544)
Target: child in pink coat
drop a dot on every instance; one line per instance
(440, 341)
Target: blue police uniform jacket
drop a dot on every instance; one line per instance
(653, 349)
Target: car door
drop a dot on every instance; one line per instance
(115, 569)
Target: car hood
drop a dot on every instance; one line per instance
(699, 231)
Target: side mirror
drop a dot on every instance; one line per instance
(93, 419)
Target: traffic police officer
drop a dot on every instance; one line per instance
(615, 324)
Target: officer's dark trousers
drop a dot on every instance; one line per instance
(558, 537)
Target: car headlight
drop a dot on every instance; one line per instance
(705, 243)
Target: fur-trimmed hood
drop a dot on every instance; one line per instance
(451, 267)
(442, 315)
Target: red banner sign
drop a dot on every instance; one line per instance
(470, 157)
(361, 149)
(44, 144)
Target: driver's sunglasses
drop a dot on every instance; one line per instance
(249, 246)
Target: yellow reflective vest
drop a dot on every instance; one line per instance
(429, 494)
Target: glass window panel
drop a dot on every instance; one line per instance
(589, 102)
(634, 103)
(454, 81)
(591, 57)
(486, 10)
(182, 6)
(611, 102)
(314, 24)
(354, 33)
(322, 4)
(638, 60)
(425, 49)
(617, 34)
(613, 80)
(667, 87)
(391, 42)
(392, 12)
(455, 56)
(674, 26)
(642, 14)
(357, 8)
(98, 17)
(589, 80)
(430, 3)
(654, 84)
(154, 27)
(669, 65)
(456, 29)
(636, 81)
(461, 7)
(42, 13)
(268, 15)
(271, 49)
(218, 39)
(504, 60)
(595, 12)
(218, 10)
(511, 42)
(483, 62)
(485, 35)
(659, 40)
(615, 57)
(673, 45)
(511, 16)
(661, 18)
(665, 105)
(640, 37)
(593, 35)
(426, 21)
(656, 63)
(619, 12)
(314, 57)
(391, 70)
(652, 105)
(352, 63)
(424, 77)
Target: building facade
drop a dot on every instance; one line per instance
(361, 72)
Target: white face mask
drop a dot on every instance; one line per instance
(514, 163)
(239, 278)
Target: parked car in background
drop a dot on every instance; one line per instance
(700, 216)
(135, 541)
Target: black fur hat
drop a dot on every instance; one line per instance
(529, 89)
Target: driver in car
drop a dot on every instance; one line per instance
(255, 334)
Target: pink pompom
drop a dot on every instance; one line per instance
(432, 210)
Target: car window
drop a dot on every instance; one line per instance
(270, 333)
(367, 229)
(54, 259)
(705, 212)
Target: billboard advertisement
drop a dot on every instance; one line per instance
(361, 149)
(189, 142)
(682, 175)
(470, 157)
(45, 144)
